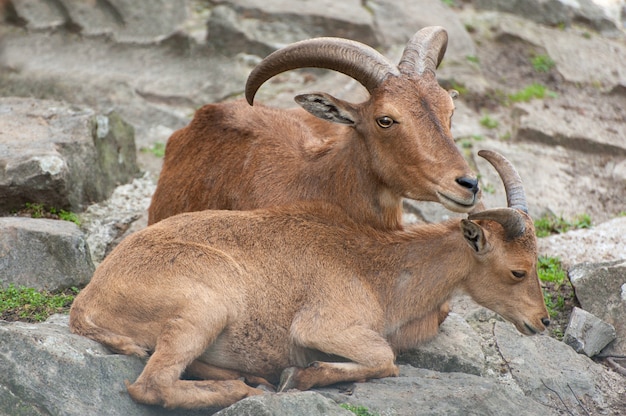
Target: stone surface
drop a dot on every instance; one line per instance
(556, 376)
(260, 27)
(588, 334)
(556, 12)
(601, 243)
(601, 290)
(455, 349)
(43, 254)
(294, 403)
(61, 155)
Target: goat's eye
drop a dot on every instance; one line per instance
(385, 122)
(519, 274)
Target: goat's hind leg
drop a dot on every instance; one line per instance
(369, 355)
(159, 384)
(206, 371)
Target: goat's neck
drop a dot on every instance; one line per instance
(430, 265)
(343, 166)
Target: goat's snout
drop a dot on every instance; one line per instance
(545, 321)
(469, 183)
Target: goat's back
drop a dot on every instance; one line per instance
(228, 157)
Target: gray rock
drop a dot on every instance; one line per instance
(554, 12)
(567, 48)
(601, 290)
(61, 155)
(259, 27)
(124, 20)
(43, 254)
(587, 334)
(601, 243)
(428, 393)
(306, 403)
(552, 373)
(455, 349)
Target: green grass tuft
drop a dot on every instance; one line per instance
(531, 92)
(358, 410)
(550, 224)
(31, 305)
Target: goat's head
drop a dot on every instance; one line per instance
(406, 121)
(506, 248)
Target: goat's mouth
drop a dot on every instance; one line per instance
(528, 329)
(457, 204)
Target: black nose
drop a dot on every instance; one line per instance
(469, 183)
(545, 321)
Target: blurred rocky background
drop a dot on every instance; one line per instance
(90, 91)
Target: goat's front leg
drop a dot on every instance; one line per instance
(369, 355)
(180, 342)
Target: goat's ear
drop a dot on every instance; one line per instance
(327, 107)
(474, 235)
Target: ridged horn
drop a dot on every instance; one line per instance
(510, 218)
(354, 59)
(515, 196)
(424, 51)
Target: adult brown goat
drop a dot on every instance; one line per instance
(396, 144)
(299, 295)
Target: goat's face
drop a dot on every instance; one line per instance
(506, 279)
(406, 127)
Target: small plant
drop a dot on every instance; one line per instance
(358, 410)
(472, 58)
(550, 270)
(550, 224)
(542, 63)
(449, 3)
(36, 210)
(487, 121)
(66, 215)
(30, 305)
(489, 189)
(531, 92)
(157, 149)
(557, 292)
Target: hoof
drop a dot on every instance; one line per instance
(287, 379)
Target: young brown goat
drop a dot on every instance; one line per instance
(396, 144)
(299, 295)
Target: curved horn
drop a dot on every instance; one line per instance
(354, 59)
(515, 196)
(510, 218)
(424, 51)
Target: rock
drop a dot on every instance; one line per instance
(43, 254)
(108, 222)
(306, 403)
(46, 370)
(553, 374)
(601, 290)
(600, 243)
(60, 155)
(587, 334)
(260, 27)
(456, 349)
(424, 392)
(121, 19)
(555, 12)
(567, 48)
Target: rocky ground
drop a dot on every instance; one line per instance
(155, 63)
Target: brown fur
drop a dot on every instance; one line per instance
(299, 295)
(238, 157)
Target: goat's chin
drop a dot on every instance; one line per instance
(457, 204)
(527, 329)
